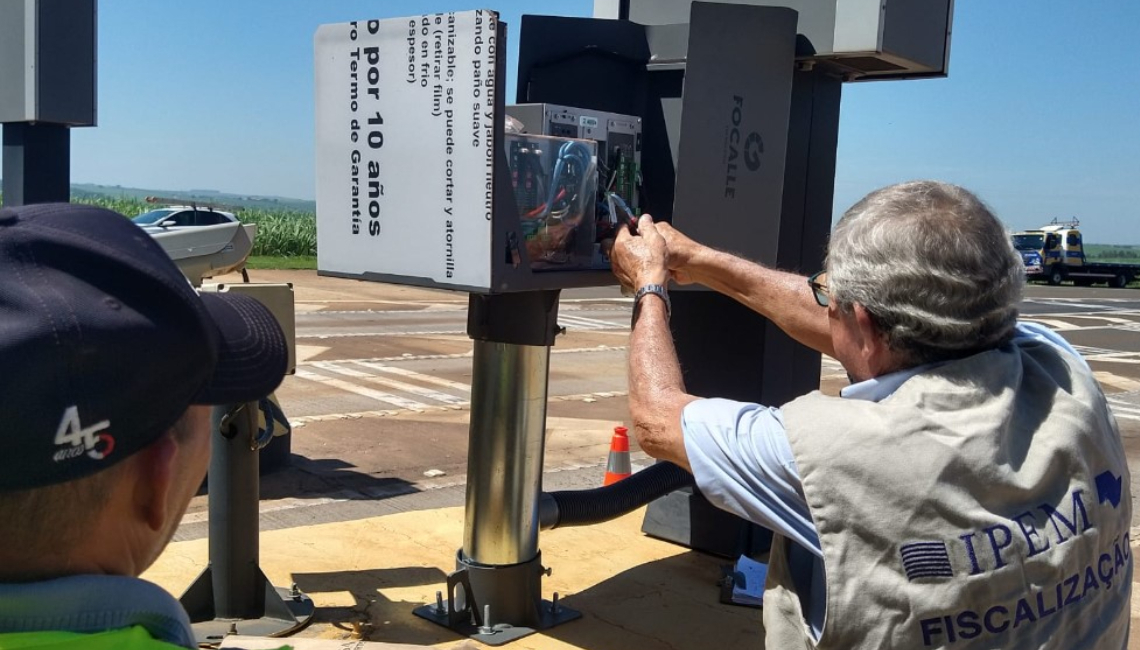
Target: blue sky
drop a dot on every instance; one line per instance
(1040, 114)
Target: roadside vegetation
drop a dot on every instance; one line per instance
(1113, 253)
(286, 239)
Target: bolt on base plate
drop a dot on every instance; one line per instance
(479, 595)
(552, 614)
(285, 611)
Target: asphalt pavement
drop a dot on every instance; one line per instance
(380, 399)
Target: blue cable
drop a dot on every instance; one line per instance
(574, 151)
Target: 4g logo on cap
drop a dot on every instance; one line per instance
(79, 440)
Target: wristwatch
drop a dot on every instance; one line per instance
(651, 289)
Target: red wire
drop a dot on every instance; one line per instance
(535, 212)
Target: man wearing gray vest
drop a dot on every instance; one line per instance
(969, 489)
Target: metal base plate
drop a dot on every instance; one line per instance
(482, 594)
(285, 612)
(501, 633)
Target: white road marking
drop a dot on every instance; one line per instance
(410, 374)
(436, 307)
(468, 354)
(1056, 325)
(1081, 302)
(426, 309)
(306, 352)
(563, 301)
(581, 322)
(1106, 320)
(1114, 320)
(303, 420)
(1116, 381)
(576, 321)
(377, 395)
(1124, 409)
(1127, 407)
(1088, 350)
(344, 335)
(391, 383)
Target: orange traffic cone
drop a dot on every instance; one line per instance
(617, 466)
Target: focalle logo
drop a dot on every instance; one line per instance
(753, 148)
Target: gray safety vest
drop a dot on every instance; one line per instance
(985, 504)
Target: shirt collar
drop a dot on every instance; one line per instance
(94, 603)
(883, 386)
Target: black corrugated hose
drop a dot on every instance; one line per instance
(584, 507)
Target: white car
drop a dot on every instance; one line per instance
(178, 216)
(203, 242)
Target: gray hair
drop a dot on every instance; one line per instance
(933, 267)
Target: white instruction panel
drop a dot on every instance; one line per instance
(405, 148)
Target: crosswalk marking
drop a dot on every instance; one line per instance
(345, 335)
(1055, 325)
(379, 396)
(411, 374)
(391, 383)
(1105, 320)
(1088, 351)
(581, 322)
(1123, 409)
(303, 420)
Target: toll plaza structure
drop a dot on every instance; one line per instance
(423, 180)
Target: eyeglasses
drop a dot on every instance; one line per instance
(819, 289)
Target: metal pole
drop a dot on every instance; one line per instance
(36, 163)
(504, 459)
(232, 595)
(495, 593)
(234, 494)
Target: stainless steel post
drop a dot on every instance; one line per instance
(504, 462)
(495, 593)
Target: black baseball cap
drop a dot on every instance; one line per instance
(104, 343)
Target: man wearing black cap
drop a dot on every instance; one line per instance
(109, 361)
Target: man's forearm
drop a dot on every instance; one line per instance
(781, 297)
(656, 390)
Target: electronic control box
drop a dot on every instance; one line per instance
(618, 137)
(554, 182)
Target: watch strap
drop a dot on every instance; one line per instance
(652, 289)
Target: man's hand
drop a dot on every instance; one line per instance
(640, 259)
(680, 252)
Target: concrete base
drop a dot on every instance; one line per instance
(366, 576)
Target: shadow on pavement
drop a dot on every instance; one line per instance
(314, 478)
(667, 604)
(375, 616)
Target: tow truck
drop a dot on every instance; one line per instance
(1055, 253)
